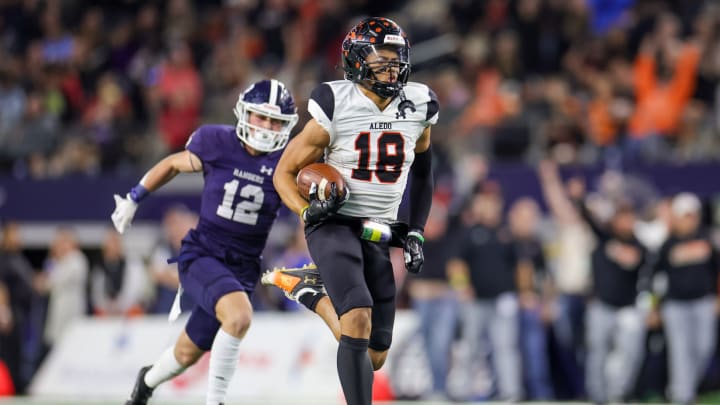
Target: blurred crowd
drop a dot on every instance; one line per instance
(91, 87)
(598, 289)
(610, 294)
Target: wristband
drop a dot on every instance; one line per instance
(302, 212)
(138, 193)
(417, 235)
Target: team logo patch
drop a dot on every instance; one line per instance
(404, 105)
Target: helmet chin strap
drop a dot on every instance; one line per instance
(371, 83)
(373, 86)
(405, 103)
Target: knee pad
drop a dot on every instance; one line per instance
(380, 340)
(383, 319)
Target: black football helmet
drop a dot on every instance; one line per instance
(365, 38)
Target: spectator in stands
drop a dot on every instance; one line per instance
(64, 280)
(691, 264)
(487, 109)
(58, 44)
(118, 280)
(654, 229)
(571, 276)
(661, 97)
(177, 95)
(486, 258)
(563, 134)
(533, 289)
(30, 143)
(15, 299)
(604, 113)
(433, 299)
(107, 117)
(512, 51)
(615, 326)
(180, 24)
(12, 106)
(177, 221)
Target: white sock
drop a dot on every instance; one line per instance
(164, 369)
(223, 359)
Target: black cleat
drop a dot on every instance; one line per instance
(141, 392)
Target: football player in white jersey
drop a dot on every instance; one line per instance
(374, 128)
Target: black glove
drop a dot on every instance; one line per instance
(413, 252)
(318, 210)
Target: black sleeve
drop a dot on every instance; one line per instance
(645, 272)
(324, 97)
(514, 256)
(421, 189)
(539, 262)
(714, 258)
(588, 217)
(462, 248)
(660, 259)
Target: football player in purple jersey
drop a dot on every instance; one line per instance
(219, 261)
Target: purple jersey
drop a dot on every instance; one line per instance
(239, 202)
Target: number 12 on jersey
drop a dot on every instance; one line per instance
(246, 211)
(390, 150)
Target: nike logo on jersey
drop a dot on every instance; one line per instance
(381, 125)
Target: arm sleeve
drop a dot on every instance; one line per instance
(421, 189)
(714, 258)
(645, 272)
(684, 79)
(588, 218)
(461, 248)
(540, 263)
(644, 76)
(321, 107)
(659, 261)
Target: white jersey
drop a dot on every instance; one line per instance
(372, 149)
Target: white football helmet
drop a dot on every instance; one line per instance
(272, 99)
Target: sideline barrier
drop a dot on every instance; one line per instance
(284, 357)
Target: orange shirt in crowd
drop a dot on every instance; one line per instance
(660, 105)
(602, 127)
(486, 110)
(181, 91)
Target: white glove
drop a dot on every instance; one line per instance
(124, 212)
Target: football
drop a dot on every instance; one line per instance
(323, 175)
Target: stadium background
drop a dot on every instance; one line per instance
(94, 92)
